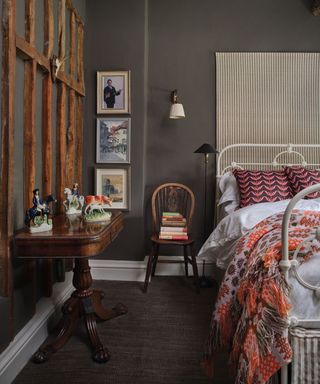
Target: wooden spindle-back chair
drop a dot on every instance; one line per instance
(172, 197)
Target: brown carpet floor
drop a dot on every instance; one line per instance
(159, 341)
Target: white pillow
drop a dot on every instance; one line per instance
(230, 191)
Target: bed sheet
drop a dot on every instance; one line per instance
(219, 247)
(305, 305)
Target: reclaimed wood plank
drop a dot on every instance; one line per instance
(80, 56)
(47, 104)
(47, 155)
(30, 70)
(26, 51)
(62, 30)
(7, 151)
(61, 143)
(78, 18)
(70, 144)
(30, 73)
(79, 142)
(30, 25)
(70, 155)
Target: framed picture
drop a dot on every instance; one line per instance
(113, 92)
(113, 140)
(114, 183)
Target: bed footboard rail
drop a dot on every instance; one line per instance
(286, 264)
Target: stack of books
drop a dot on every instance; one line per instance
(173, 227)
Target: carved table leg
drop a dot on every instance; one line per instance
(104, 313)
(84, 303)
(71, 314)
(100, 354)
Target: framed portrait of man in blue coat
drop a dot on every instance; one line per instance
(113, 92)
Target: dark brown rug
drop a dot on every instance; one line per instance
(160, 340)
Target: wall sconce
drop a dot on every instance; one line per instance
(176, 110)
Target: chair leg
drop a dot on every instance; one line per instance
(185, 255)
(155, 259)
(195, 268)
(149, 268)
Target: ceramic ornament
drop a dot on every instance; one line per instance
(74, 202)
(37, 217)
(96, 208)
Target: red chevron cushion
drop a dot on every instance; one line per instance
(301, 178)
(262, 186)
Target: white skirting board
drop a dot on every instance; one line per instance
(125, 270)
(34, 333)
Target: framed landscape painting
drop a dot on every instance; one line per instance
(114, 183)
(113, 92)
(113, 140)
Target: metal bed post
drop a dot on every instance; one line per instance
(285, 264)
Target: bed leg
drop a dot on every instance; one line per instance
(284, 375)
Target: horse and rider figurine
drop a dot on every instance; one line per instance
(37, 217)
(74, 201)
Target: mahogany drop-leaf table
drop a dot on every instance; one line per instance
(72, 237)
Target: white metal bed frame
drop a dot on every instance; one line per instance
(285, 264)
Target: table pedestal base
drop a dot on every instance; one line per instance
(83, 304)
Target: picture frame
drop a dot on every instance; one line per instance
(113, 92)
(114, 183)
(113, 140)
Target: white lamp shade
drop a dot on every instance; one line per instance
(177, 111)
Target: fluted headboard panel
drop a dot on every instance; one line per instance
(268, 98)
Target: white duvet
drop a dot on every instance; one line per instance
(219, 247)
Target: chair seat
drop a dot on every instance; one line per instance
(155, 239)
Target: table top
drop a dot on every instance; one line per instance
(71, 236)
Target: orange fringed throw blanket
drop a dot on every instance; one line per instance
(251, 311)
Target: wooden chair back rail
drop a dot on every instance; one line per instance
(172, 197)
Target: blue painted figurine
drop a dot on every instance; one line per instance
(36, 217)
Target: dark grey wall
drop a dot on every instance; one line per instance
(178, 41)
(115, 40)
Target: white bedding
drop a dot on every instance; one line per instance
(220, 245)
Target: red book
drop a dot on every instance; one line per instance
(175, 237)
(173, 229)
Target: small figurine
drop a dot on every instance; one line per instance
(96, 206)
(75, 190)
(74, 202)
(37, 217)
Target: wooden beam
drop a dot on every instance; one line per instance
(30, 71)
(79, 142)
(47, 104)
(62, 30)
(29, 150)
(80, 56)
(47, 158)
(30, 25)
(75, 12)
(61, 143)
(72, 108)
(26, 51)
(71, 83)
(7, 145)
(48, 29)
